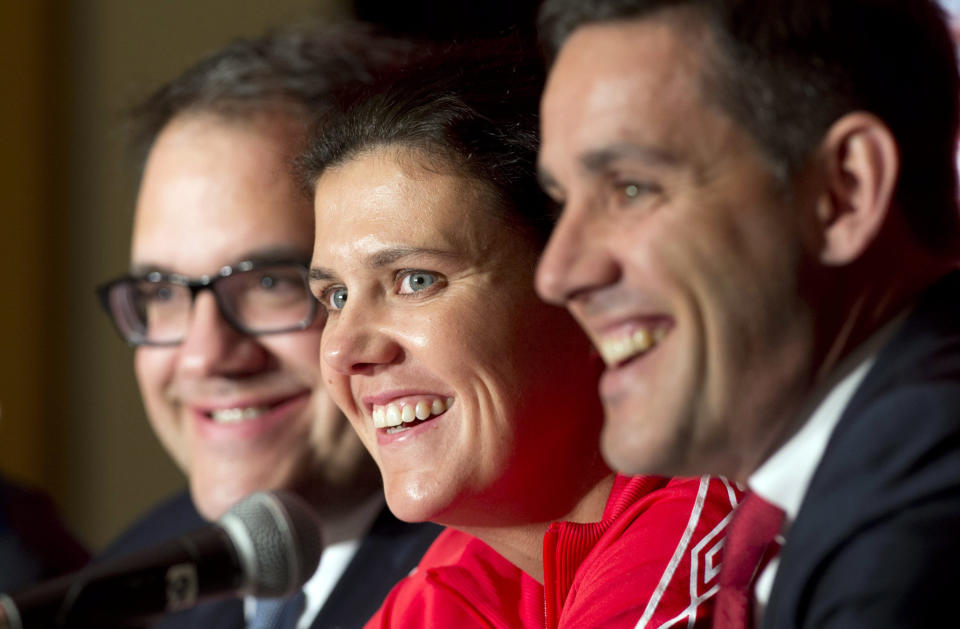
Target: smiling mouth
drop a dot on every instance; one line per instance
(619, 349)
(396, 417)
(240, 414)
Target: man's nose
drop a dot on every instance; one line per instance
(213, 347)
(576, 260)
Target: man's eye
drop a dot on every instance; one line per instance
(271, 282)
(633, 190)
(416, 281)
(156, 292)
(335, 298)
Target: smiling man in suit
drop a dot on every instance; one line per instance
(759, 232)
(226, 331)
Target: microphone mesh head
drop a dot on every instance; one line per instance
(277, 536)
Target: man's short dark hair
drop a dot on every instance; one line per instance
(298, 70)
(785, 70)
(472, 108)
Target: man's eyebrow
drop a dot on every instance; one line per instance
(600, 159)
(275, 254)
(263, 255)
(381, 258)
(142, 269)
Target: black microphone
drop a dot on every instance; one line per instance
(267, 545)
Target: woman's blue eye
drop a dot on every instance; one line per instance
(337, 298)
(416, 281)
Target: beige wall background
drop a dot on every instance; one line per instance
(72, 422)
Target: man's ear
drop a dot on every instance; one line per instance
(861, 165)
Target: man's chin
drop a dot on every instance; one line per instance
(620, 456)
(633, 448)
(213, 502)
(210, 509)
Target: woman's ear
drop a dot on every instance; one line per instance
(861, 165)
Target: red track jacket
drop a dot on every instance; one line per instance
(651, 561)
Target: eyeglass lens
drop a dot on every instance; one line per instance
(261, 300)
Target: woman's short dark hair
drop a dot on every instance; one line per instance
(473, 108)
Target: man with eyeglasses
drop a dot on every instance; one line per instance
(226, 331)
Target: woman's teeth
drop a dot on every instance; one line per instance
(395, 414)
(234, 415)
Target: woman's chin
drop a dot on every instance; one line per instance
(414, 505)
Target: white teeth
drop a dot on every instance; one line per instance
(235, 415)
(423, 410)
(619, 348)
(393, 415)
(613, 351)
(642, 340)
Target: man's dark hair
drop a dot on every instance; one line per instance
(472, 109)
(298, 70)
(785, 70)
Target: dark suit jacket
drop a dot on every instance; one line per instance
(34, 543)
(386, 555)
(876, 542)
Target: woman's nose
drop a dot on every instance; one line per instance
(355, 342)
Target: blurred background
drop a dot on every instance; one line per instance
(72, 423)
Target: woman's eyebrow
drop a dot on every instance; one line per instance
(392, 255)
(381, 258)
(320, 274)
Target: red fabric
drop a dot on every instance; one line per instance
(653, 557)
(750, 546)
(462, 582)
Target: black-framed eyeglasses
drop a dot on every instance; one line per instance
(253, 297)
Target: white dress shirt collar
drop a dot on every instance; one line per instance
(783, 479)
(342, 536)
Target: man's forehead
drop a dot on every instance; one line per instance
(611, 80)
(654, 45)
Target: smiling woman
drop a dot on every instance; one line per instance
(477, 400)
